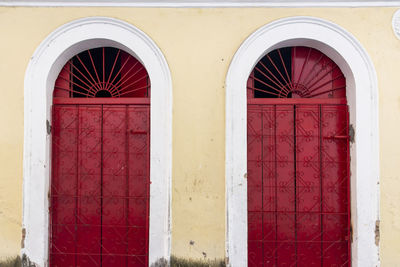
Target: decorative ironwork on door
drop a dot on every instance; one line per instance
(103, 72)
(99, 210)
(298, 161)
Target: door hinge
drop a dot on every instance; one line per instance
(351, 133)
(351, 233)
(48, 127)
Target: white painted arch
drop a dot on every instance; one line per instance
(362, 96)
(44, 66)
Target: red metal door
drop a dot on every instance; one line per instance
(99, 210)
(100, 185)
(298, 171)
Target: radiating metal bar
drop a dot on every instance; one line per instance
(122, 81)
(279, 92)
(268, 92)
(112, 70)
(302, 68)
(322, 69)
(104, 67)
(265, 75)
(80, 86)
(270, 72)
(91, 88)
(90, 75)
(277, 69)
(316, 63)
(121, 89)
(289, 82)
(327, 91)
(120, 69)
(88, 89)
(134, 90)
(69, 90)
(95, 69)
(320, 78)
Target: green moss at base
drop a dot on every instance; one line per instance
(175, 262)
(11, 262)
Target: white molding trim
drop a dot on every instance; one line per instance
(396, 23)
(44, 66)
(362, 95)
(200, 3)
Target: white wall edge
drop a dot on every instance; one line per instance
(44, 66)
(362, 95)
(201, 4)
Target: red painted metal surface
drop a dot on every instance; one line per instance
(298, 178)
(102, 72)
(99, 210)
(100, 185)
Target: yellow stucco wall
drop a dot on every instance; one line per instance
(198, 45)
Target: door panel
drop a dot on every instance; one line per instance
(88, 221)
(63, 202)
(298, 185)
(100, 185)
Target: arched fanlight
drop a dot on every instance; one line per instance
(102, 72)
(296, 72)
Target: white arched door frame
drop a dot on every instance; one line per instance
(43, 69)
(362, 96)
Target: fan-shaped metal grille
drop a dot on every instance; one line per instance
(102, 72)
(296, 72)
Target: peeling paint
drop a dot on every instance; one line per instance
(160, 263)
(227, 261)
(377, 232)
(26, 262)
(23, 238)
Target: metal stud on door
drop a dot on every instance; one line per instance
(99, 213)
(298, 161)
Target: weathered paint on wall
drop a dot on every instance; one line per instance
(198, 45)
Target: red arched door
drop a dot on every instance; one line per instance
(99, 209)
(298, 161)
